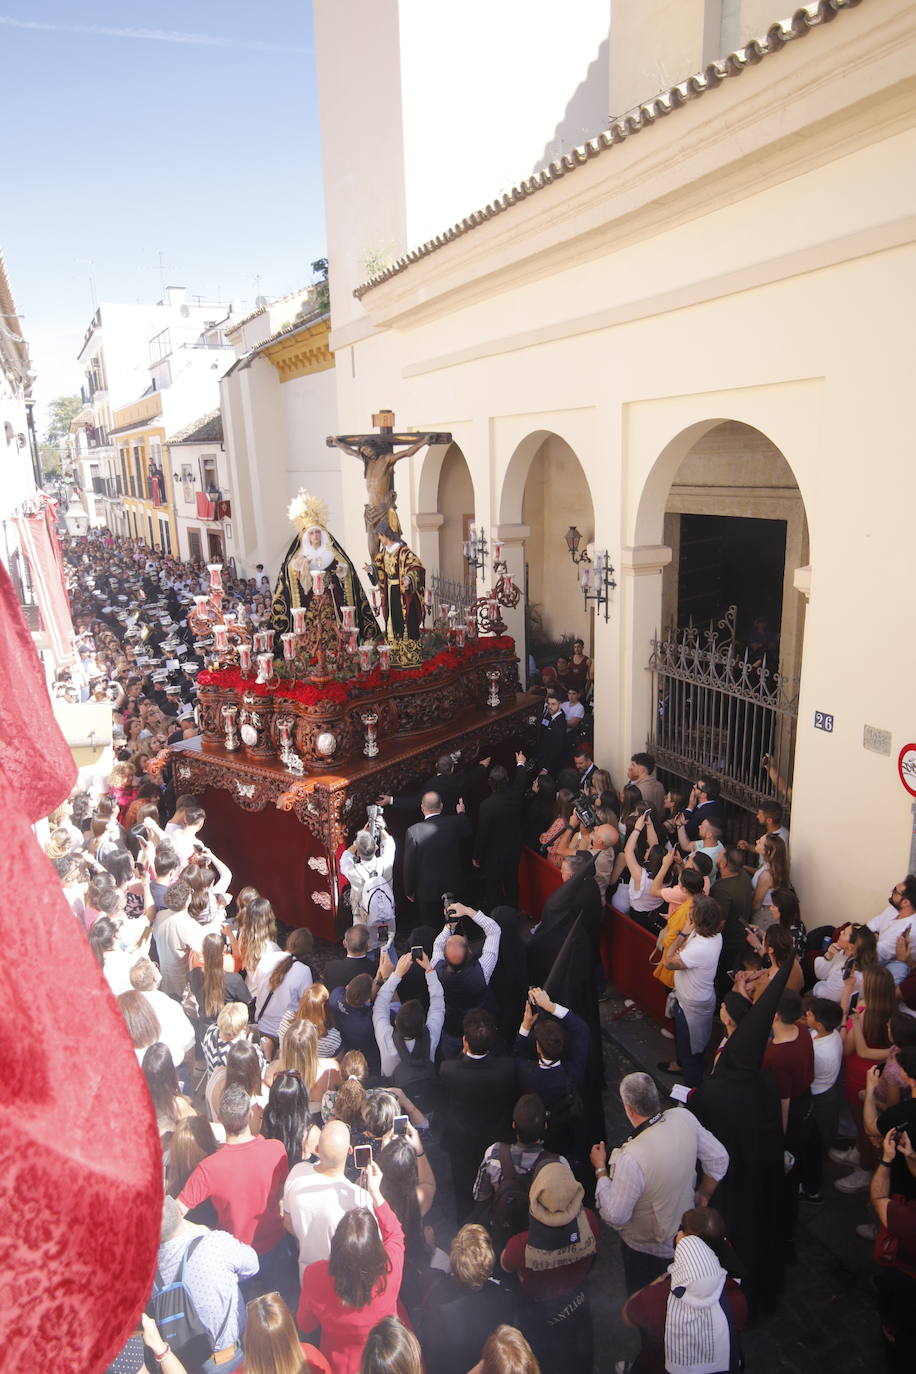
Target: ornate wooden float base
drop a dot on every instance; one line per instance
(282, 834)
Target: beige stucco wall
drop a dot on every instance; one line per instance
(752, 259)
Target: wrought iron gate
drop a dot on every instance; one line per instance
(714, 709)
(448, 592)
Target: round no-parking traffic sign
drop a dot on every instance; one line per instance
(906, 767)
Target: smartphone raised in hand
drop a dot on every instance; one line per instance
(362, 1156)
(399, 1127)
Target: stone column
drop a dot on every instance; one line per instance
(428, 524)
(622, 682)
(512, 540)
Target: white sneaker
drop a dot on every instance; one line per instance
(868, 1230)
(848, 1156)
(856, 1182)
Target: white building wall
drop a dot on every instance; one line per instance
(689, 276)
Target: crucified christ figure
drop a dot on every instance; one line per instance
(379, 453)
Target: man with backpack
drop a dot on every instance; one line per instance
(368, 866)
(195, 1301)
(408, 1048)
(505, 1173)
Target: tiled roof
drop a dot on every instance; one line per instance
(260, 309)
(246, 359)
(207, 430)
(626, 125)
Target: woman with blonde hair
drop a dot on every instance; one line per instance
(272, 1344)
(257, 932)
(59, 843)
(299, 1054)
(467, 1306)
(313, 1007)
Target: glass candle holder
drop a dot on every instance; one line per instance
(299, 615)
(289, 646)
(349, 617)
(245, 657)
(318, 581)
(459, 636)
(265, 667)
(216, 575)
(220, 638)
(384, 657)
(365, 657)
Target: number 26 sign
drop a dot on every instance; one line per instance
(823, 721)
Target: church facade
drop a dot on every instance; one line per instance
(704, 312)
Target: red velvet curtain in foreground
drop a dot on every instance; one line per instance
(79, 1155)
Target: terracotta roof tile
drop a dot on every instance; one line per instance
(632, 122)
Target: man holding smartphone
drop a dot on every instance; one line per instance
(464, 977)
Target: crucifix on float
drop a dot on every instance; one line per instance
(379, 453)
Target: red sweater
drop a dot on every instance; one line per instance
(344, 1330)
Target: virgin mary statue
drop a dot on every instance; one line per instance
(314, 548)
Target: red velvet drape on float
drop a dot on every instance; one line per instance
(79, 1155)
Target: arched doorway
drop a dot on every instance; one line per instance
(545, 490)
(455, 502)
(727, 661)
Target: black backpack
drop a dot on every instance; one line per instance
(172, 1309)
(509, 1210)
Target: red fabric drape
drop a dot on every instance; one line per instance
(79, 1154)
(42, 549)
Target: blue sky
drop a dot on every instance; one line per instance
(129, 130)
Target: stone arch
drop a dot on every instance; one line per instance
(708, 482)
(546, 489)
(455, 503)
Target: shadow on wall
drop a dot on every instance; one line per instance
(586, 113)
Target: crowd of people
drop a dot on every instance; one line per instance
(393, 1155)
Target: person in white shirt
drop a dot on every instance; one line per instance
(409, 1025)
(823, 1018)
(694, 958)
(573, 709)
(898, 918)
(854, 946)
(651, 1181)
(183, 839)
(362, 861)
(176, 935)
(317, 1194)
(176, 1029)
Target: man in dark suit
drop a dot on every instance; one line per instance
(498, 844)
(479, 1091)
(705, 805)
(553, 749)
(434, 859)
(449, 785)
(338, 972)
